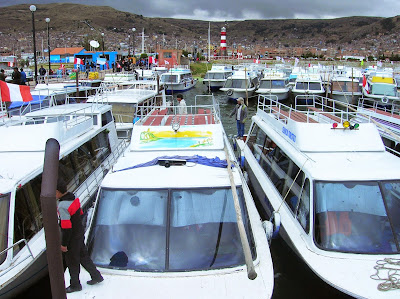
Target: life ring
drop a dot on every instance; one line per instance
(229, 92)
(385, 100)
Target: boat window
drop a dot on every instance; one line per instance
(358, 216)
(167, 230)
(286, 176)
(278, 84)
(169, 78)
(129, 231)
(204, 233)
(167, 54)
(302, 85)
(4, 212)
(106, 118)
(77, 166)
(265, 84)
(239, 83)
(228, 83)
(303, 209)
(27, 216)
(315, 86)
(384, 89)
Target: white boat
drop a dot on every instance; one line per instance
(381, 87)
(242, 83)
(125, 98)
(178, 79)
(334, 188)
(345, 89)
(308, 84)
(215, 78)
(274, 84)
(165, 223)
(88, 149)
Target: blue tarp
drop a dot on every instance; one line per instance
(213, 162)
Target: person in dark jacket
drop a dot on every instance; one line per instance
(240, 111)
(72, 238)
(2, 75)
(16, 76)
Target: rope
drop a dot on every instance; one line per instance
(391, 267)
(290, 188)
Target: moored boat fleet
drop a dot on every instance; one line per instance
(323, 171)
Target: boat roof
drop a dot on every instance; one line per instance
(127, 96)
(23, 143)
(333, 153)
(379, 79)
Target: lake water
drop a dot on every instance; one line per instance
(293, 279)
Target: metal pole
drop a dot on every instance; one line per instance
(50, 219)
(33, 9)
(48, 44)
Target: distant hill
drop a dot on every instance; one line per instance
(67, 22)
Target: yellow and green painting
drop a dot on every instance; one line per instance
(171, 139)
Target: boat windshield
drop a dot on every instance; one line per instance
(384, 89)
(169, 78)
(167, 230)
(315, 86)
(272, 84)
(236, 83)
(219, 76)
(359, 217)
(4, 212)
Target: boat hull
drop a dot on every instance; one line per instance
(33, 272)
(181, 87)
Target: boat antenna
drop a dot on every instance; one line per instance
(251, 273)
(245, 80)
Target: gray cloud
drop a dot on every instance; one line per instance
(211, 10)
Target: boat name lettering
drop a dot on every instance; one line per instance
(289, 134)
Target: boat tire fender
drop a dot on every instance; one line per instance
(385, 100)
(276, 221)
(229, 92)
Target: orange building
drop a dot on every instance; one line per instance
(169, 57)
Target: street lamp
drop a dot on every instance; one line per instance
(102, 42)
(48, 43)
(33, 9)
(133, 40)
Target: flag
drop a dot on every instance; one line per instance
(78, 61)
(152, 60)
(15, 93)
(61, 66)
(365, 84)
(166, 62)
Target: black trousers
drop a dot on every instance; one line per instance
(77, 255)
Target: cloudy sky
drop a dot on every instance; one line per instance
(220, 10)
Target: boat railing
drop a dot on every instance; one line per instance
(20, 260)
(197, 114)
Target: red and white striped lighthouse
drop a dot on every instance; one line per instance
(223, 41)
